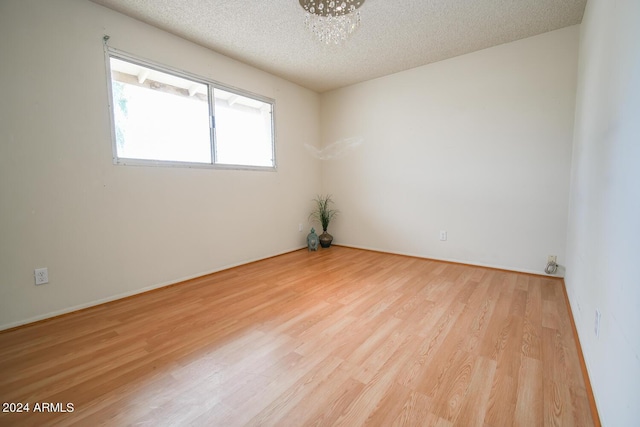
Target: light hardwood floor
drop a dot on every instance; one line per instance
(335, 337)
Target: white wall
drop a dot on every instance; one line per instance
(478, 145)
(603, 239)
(106, 230)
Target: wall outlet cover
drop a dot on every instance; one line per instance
(41, 275)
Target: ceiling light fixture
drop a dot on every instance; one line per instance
(332, 21)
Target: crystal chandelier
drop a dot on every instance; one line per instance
(332, 21)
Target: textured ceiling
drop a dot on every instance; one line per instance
(394, 35)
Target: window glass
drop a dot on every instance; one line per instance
(243, 130)
(161, 116)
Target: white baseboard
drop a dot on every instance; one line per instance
(226, 267)
(135, 292)
(453, 260)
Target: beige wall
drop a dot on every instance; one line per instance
(104, 230)
(478, 145)
(603, 239)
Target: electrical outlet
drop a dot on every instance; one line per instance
(596, 326)
(443, 235)
(300, 228)
(41, 275)
(552, 258)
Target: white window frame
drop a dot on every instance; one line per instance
(211, 84)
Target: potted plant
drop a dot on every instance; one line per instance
(324, 214)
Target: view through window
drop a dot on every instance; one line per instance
(161, 116)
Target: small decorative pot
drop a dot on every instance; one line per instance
(325, 239)
(312, 240)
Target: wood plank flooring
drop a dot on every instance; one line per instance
(338, 337)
